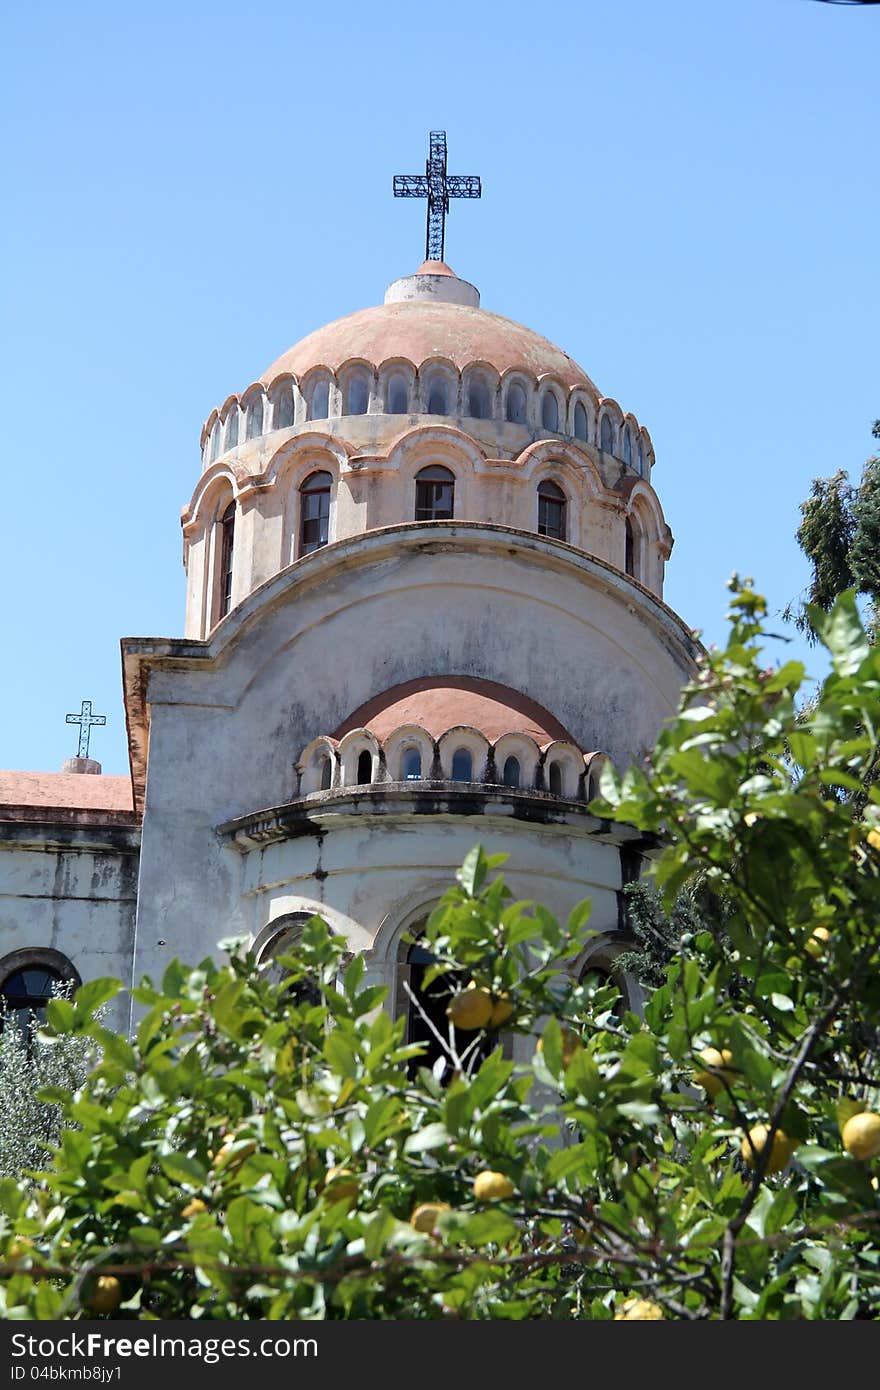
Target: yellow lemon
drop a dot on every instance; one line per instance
(755, 1143)
(19, 1248)
(817, 941)
(723, 1063)
(861, 1135)
(639, 1310)
(233, 1152)
(471, 1008)
(106, 1295)
(873, 838)
(340, 1183)
(194, 1207)
(570, 1045)
(424, 1217)
(502, 1008)
(492, 1187)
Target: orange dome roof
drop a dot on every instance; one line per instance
(439, 703)
(420, 329)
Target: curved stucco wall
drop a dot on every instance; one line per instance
(228, 717)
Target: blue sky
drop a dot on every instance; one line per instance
(681, 193)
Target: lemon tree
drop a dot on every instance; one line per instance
(265, 1148)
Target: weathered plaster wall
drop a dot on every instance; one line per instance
(72, 890)
(229, 718)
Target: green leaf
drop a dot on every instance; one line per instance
(180, 1168)
(94, 993)
(433, 1136)
(472, 873)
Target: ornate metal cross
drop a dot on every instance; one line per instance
(85, 719)
(438, 187)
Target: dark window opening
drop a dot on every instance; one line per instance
(516, 405)
(462, 765)
(227, 546)
(320, 403)
(429, 1008)
(365, 767)
(255, 418)
(606, 436)
(580, 422)
(511, 772)
(284, 409)
(26, 993)
(630, 556)
(551, 511)
(437, 398)
(314, 528)
(478, 401)
(435, 493)
(326, 774)
(232, 428)
(550, 411)
(412, 765)
(358, 396)
(555, 779)
(398, 396)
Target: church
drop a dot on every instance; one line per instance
(424, 568)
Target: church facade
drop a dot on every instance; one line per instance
(424, 605)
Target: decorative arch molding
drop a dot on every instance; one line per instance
(570, 761)
(577, 467)
(462, 736)
(41, 957)
(288, 909)
(309, 767)
(227, 472)
(527, 754)
(397, 744)
(435, 444)
(389, 945)
(350, 749)
(644, 504)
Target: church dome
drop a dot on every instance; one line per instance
(432, 314)
(444, 702)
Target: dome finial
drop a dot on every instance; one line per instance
(438, 187)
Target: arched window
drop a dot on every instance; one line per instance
(516, 404)
(412, 765)
(232, 428)
(285, 941)
(555, 779)
(627, 447)
(462, 765)
(25, 993)
(630, 555)
(606, 437)
(284, 408)
(357, 395)
(314, 526)
(435, 494)
(511, 772)
(227, 546)
(478, 400)
(641, 459)
(365, 767)
(319, 404)
(551, 510)
(326, 774)
(215, 441)
(398, 396)
(580, 422)
(549, 411)
(254, 426)
(437, 396)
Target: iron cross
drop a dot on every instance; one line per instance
(438, 187)
(85, 719)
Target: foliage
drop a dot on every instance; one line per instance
(204, 1179)
(840, 535)
(29, 1127)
